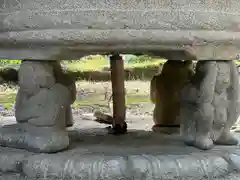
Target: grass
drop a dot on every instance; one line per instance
(95, 98)
(145, 64)
(7, 99)
(100, 101)
(92, 63)
(98, 62)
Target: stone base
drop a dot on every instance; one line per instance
(139, 154)
(36, 139)
(166, 130)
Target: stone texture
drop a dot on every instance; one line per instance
(210, 105)
(139, 154)
(11, 159)
(143, 166)
(164, 92)
(65, 80)
(232, 176)
(42, 109)
(94, 154)
(59, 30)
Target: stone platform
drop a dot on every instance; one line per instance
(140, 154)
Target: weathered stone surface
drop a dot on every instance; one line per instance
(11, 176)
(143, 166)
(205, 29)
(140, 154)
(164, 92)
(11, 159)
(175, 166)
(77, 167)
(42, 109)
(232, 176)
(210, 105)
(65, 80)
(34, 138)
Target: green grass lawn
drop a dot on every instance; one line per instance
(98, 62)
(94, 64)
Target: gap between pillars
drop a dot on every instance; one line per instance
(119, 125)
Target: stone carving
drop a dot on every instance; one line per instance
(65, 80)
(210, 105)
(5, 5)
(164, 93)
(42, 108)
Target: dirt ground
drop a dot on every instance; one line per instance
(91, 96)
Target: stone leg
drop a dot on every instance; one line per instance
(210, 105)
(204, 120)
(42, 105)
(233, 109)
(168, 125)
(188, 123)
(164, 93)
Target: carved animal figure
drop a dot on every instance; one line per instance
(210, 105)
(164, 93)
(42, 108)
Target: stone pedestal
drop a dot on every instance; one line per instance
(42, 108)
(210, 105)
(136, 155)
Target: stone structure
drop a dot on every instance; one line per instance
(42, 108)
(164, 93)
(138, 155)
(210, 105)
(200, 30)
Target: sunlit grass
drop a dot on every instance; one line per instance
(7, 99)
(146, 64)
(237, 62)
(98, 62)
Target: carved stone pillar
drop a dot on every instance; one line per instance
(210, 105)
(42, 108)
